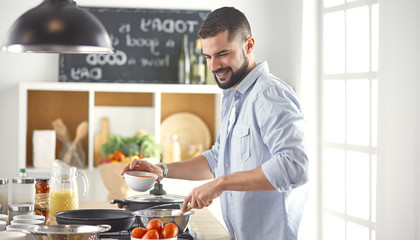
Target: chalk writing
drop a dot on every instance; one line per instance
(84, 73)
(146, 44)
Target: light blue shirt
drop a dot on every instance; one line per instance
(266, 130)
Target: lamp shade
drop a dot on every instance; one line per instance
(57, 26)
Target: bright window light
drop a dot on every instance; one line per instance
(358, 112)
(357, 35)
(334, 110)
(334, 42)
(358, 178)
(334, 174)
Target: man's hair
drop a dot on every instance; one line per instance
(226, 18)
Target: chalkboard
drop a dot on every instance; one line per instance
(147, 44)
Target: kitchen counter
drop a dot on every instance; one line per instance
(202, 222)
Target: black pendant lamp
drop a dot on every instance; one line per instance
(57, 26)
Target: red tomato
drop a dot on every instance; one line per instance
(154, 224)
(138, 232)
(151, 234)
(170, 230)
(118, 156)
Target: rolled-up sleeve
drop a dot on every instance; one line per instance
(282, 130)
(212, 156)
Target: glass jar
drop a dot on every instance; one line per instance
(42, 198)
(23, 188)
(20, 209)
(4, 196)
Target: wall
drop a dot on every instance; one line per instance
(398, 121)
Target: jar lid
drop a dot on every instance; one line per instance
(42, 179)
(4, 181)
(23, 180)
(21, 207)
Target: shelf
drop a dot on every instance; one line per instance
(122, 87)
(42, 102)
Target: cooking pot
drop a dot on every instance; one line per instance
(166, 216)
(118, 219)
(156, 197)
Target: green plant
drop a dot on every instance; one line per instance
(144, 145)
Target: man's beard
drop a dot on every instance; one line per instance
(235, 76)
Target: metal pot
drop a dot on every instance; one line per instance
(118, 219)
(68, 232)
(156, 197)
(166, 216)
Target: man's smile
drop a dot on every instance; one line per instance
(222, 73)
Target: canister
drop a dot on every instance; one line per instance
(20, 209)
(4, 196)
(23, 190)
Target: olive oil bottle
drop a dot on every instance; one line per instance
(184, 62)
(198, 66)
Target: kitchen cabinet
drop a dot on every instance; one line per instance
(42, 102)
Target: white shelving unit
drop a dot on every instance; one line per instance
(92, 88)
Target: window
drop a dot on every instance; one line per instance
(349, 108)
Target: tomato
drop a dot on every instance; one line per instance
(154, 224)
(151, 234)
(118, 156)
(170, 230)
(138, 232)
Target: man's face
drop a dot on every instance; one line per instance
(227, 60)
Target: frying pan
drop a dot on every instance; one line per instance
(118, 219)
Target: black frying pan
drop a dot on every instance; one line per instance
(118, 219)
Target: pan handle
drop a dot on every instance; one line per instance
(121, 204)
(105, 227)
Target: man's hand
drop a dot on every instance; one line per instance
(142, 165)
(203, 195)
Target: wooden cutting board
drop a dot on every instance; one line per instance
(100, 139)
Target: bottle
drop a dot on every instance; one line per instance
(23, 188)
(184, 62)
(176, 149)
(210, 77)
(198, 67)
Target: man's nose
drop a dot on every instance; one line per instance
(213, 64)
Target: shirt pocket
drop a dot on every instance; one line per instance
(241, 143)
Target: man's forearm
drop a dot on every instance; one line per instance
(253, 180)
(196, 168)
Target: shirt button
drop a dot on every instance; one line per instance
(227, 165)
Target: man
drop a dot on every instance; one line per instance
(258, 161)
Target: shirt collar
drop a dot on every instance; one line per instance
(250, 78)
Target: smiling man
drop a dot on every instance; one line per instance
(258, 161)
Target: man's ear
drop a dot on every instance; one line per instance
(249, 44)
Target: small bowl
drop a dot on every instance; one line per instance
(29, 217)
(12, 236)
(4, 217)
(2, 225)
(20, 228)
(140, 181)
(27, 222)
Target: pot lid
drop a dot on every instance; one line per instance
(149, 198)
